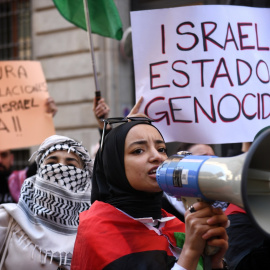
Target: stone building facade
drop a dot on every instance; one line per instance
(63, 50)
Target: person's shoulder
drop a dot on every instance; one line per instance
(103, 211)
(98, 213)
(4, 214)
(103, 221)
(96, 209)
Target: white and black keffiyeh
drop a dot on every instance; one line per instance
(55, 142)
(50, 202)
(70, 177)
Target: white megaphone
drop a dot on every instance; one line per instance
(242, 180)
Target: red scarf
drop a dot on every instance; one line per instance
(233, 209)
(106, 234)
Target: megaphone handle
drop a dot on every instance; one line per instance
(189, 201)
(207, 263)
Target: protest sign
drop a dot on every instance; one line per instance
(203, 71)
(23, 94)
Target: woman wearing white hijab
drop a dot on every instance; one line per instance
(39, 232)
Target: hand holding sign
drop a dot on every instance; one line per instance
(51, 106)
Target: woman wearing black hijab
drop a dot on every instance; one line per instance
(125, 228)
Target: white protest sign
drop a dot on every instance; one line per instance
(204, 71)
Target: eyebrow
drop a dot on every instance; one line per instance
(67, 159)
(141, 142)
(51, 157)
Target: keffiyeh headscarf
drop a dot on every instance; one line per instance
(50, 201)
(73, 179)
(110, 183)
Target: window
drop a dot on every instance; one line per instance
(15, 30)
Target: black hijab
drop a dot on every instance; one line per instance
(110, 183)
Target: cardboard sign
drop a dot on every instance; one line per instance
(23, 94)
(204, 71)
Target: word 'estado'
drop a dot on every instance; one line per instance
(16, 105)
(219, 71)
(212, 111)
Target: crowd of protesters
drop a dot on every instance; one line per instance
(70, 212)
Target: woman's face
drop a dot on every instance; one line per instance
(145, 150)
(64, 158)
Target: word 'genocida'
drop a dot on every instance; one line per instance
(16, 105)
(211, 111)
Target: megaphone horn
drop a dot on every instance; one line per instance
(242, 180)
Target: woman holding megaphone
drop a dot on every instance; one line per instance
(126, 228)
